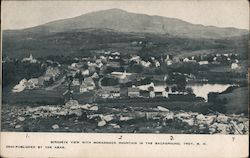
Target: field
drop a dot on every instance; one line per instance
(237, 100)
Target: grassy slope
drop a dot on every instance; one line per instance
(237, 100)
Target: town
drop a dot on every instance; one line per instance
(111, 75)
(123, 91)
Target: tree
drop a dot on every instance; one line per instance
(137, 68)
(189, 90)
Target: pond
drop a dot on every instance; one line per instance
(202, 90)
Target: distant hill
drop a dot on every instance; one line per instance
(117, 29)
(123, 21)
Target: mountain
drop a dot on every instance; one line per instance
(117, 30)
(123, 21)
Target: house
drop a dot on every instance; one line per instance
(83, 88)
(167, 58)
(85, 72)
(145, 64)
(52, 71)
(157, 64)
(107, 52)
(116, 53)
(20, 86)
(120, 75)
(144, 93)
(32, 83)
(136, 59)
(133, 92)
(77, 65)
(115, 92)
(176, 59)
(95, 76)
(235, 66)
(160, 91)
(75, 82)
(90, 64)
(29, 59)
(89, 83)
(114, 64)
(203, 62)
(158, 94)
(169, 62)
(151, 94)
(185, 60)
(111, 92)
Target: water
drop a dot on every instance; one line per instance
(202, 90)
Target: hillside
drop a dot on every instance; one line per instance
(123, 21)
(116, 29)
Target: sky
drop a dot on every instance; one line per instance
(221, 13)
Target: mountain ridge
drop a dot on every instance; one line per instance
(124, 21)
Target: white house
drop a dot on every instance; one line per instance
(157, 64)
(203, 62)
(85, 72)
(169, 62)
(75, 82)
(145, 64)
(29, 59)
(235, 66)
(32, 83)
(83, 88)
(120, 75)
(185, 60)
(20, 86)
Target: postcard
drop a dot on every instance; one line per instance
(125, 78)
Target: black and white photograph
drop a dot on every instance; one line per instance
(159, 67)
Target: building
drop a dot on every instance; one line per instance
(32, 83)
(157, 64)
(89, 82)
(145, 64)
(160, 91)
(185, 60)
(95, 76)
(83, 88)
(133, 92)
(29, 59)
(20, 86)
(75, 82)
(113, 64)
(176, 59)
(115, 92)
(85, 73)
(203, 62)
(136, 59)
(111, 92)
(169, 62)
(53, 72)
(120, 75)
(235, 66)
(144, 93)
